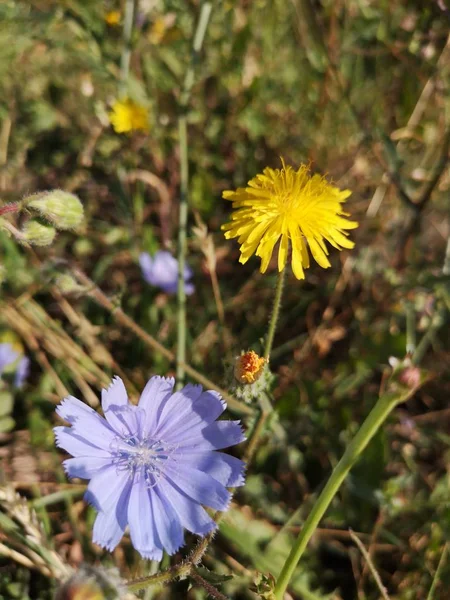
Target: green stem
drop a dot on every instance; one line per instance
(369, 428)
(438, 573)
(266, 406)
(182, 249)
(275, 314)
(126, 51)
(197, 44)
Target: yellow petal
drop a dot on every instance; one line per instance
(297, 254)
(283, 252)
(318, 254)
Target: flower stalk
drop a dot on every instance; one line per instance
(13, 207)
(126, 51)
(275, 314)
(184, 187)
(179, 571)
(378, 415)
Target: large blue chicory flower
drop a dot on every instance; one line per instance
(162, 271)
(152, 466)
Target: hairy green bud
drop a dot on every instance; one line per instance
(36, 233)
(67, 284)
(62, 209)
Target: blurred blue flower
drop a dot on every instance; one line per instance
(154, 465)
(7, 356)
(22, 371)
(162, 271)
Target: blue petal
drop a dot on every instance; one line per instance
(110, 524)
(22, 371)
(116, 394)
(210, 406)
(85, 467)
(168, 526)
(107, 531)
(179, 407)
(77, 445)
(165, 268)
(192, 516)
(142, 525)
(189, 289)
(189, 409)
(199, 486)
(146, 262)
(106, 487)
(71, 408)
(96, 430)
(125, 420)
(226, 469)
(7, 356)
(162, 271)
(153, 398)
(221, 434)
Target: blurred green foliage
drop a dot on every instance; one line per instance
(360, 89)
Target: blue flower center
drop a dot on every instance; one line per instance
(147, 457)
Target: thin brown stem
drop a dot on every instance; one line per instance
(370, 564)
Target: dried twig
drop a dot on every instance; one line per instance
(372, 568)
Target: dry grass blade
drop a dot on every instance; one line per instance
(23, 539)
(372, 568)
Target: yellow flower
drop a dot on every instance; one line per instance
(112, 18)
(301, 209)
(157, 31)
(249, 367)
(126, 116)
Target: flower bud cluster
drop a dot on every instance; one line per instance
(48, 211)
(61, 209)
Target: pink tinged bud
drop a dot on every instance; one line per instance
(410, 377)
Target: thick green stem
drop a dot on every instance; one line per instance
(275, 314)
(371, 425)
(184, 187)
(126, 51)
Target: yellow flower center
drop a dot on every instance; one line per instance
(249, 367)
